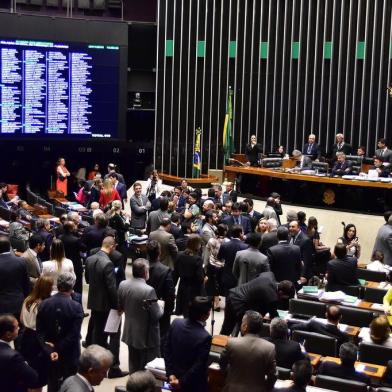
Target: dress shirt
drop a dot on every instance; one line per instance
(7, 343)
(310, 146)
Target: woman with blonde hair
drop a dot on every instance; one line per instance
(57, 263)
(108, 194)
(119, 222)
(379, 332)
(35, 351)
(262, 227)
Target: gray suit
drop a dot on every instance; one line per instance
(33, 266)
(155, 219)
(169, 248)
(139, 214)
(385, 156)
(74, 384)
(248, 264)
(251, 364)
(383, 242)
(207, 232)
(141, 328)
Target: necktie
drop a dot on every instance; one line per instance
(310, 148)
(382, 152)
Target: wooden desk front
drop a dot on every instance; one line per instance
(378, 371)
(257, 171)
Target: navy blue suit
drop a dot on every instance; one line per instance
(313, 150)
(244, 221)
(59, 321)
(227, 252)
(122, 190)
(15, 374)
(186, 355)
(342, 168)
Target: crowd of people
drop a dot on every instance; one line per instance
(189, 251)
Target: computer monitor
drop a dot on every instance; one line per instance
(321, 167)
(271, 162)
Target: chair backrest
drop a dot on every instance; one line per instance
(301, 307)
(50, 207)
(356, 317)
(31, 197)
(283, 373)
(372, 276)
(316, 343)
(374, 353)
(374, 295)
(356, 291)
(340, 384)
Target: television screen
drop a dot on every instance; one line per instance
(59, 89)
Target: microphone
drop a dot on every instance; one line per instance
(150, 300)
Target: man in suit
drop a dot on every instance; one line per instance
(175, 228)
(142, 311)
(59, 321)
(249, 360)
(269, 238)
(102, 293)
(31, 256)
(15, 374)
(285, 258)
(382, 170)
(383, 152)
(45, 231)
(14, 280)
(188, 347)
(227, 253)
(218, 197)
(306, 246)
(169, 248)
(230, 193)
(261, 294)
(348, 353)
(249, 263)
(73, 246)
(253, 215)
(383, 242)
(330, 328)
(94, 363)
(302, 162)
(301, 375)
(340, 146)
(112, 168)
(161, 279)
(119, 187)
(94, 235)
(342, 166)
(155, 217)
(311, 148)
(287, 351)
(341, 271)
(209, 228)
(139, 207)
(237, 219)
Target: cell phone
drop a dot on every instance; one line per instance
(165, 387)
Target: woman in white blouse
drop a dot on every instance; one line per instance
(31, 347)
(377, 262)
(57, 263)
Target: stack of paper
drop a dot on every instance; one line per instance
(336, 296)
(157, 367)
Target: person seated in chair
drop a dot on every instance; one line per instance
(301, 374)
(330, 328)
(383, 171)
(302, 162)
(346, 370)
(342, 166)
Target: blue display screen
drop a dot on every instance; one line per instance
(57, 90)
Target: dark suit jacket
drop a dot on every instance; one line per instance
(186, 354)
(287, 352)
(122, 190)
(269, 239)
(259, 294)
(335, 370)
(93, 237)
(15, 374)
(175, 231)
(244, 221)
(314, 150)
(285, 261)
(230, 196)
(100, 275)
(48, 237)
(323, 329)
(73, 246)
(254, 219)
(306, 246)
(14, 283)
(341, 273)
(346, 148)
(59, 321)
(227, 252)
(342, 168)
(252, 154)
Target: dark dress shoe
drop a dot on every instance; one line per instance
(117, 373)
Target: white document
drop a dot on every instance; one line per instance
(113, 321)
(338, 296)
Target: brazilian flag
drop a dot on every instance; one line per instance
(196, 155)
(228, 147)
